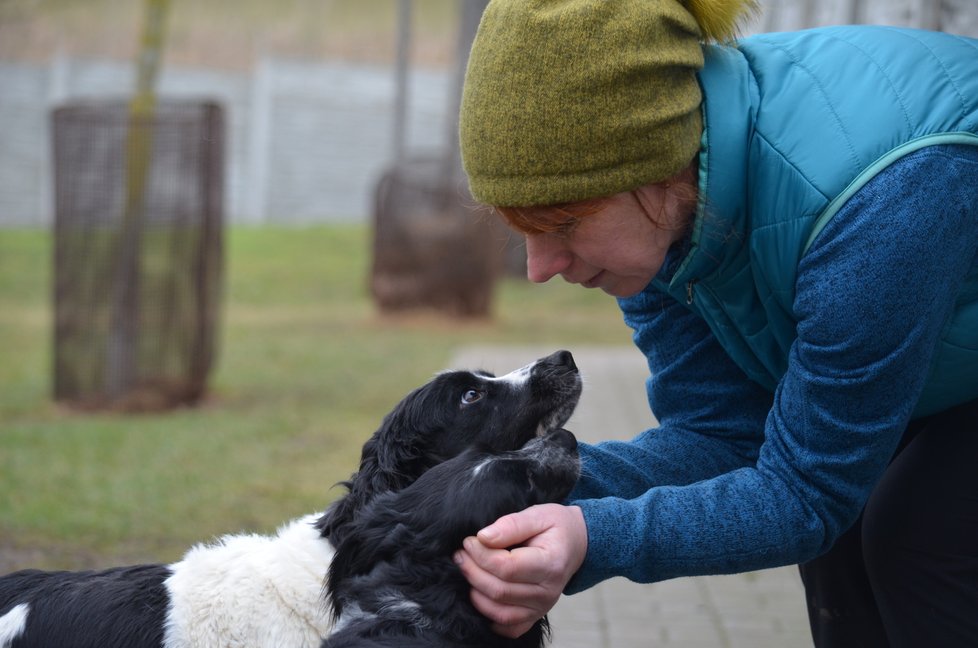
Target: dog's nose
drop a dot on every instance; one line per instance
(564, 438)
(561, 358)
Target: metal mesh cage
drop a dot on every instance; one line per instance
(137, 253)
(430, 250)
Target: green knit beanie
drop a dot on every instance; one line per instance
(566, 100)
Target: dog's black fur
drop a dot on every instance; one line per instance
(456, 411)
(392, 581)
(115, 607)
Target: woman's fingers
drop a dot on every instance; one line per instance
(516, 587)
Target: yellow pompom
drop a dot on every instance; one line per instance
(720, 20)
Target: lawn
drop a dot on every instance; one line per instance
(306, 370)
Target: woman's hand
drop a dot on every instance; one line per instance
(515, 588)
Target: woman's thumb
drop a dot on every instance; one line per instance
(516, 528)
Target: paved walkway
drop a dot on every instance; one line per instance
(762, 609)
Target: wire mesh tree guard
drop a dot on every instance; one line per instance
(430, 250)
(138, 253)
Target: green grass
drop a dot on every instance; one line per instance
(306, 370)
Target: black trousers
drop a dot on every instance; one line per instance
(906, 573)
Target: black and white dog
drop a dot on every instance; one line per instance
(393, 583)
(255, 591)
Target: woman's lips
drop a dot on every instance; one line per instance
(594, 281)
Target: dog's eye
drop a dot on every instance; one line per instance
(472, 396)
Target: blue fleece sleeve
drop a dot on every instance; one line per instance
(711, 418)
(872, 296)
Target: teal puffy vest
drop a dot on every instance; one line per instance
(795, 124)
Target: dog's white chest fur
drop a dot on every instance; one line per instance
(249, 590)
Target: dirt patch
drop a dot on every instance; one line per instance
(15, 556)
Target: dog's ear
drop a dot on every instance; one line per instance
(379, 532)
(361, 486)
(391, 459)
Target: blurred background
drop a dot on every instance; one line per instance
(276, 259)
(309, 86)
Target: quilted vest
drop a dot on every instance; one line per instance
(795, 124)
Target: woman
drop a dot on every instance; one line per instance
(790, 225)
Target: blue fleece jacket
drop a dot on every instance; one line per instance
(736, 478)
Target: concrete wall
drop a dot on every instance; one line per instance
(305, 141)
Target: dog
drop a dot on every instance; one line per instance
(393, 583)
(253, 591)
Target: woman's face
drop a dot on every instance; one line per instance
(619, 249)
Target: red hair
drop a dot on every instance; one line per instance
(564, 217)
(549, 219)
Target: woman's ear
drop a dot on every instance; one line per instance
(669, 204)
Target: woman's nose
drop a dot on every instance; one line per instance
(546, 257)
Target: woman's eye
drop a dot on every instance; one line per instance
(471, 396)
